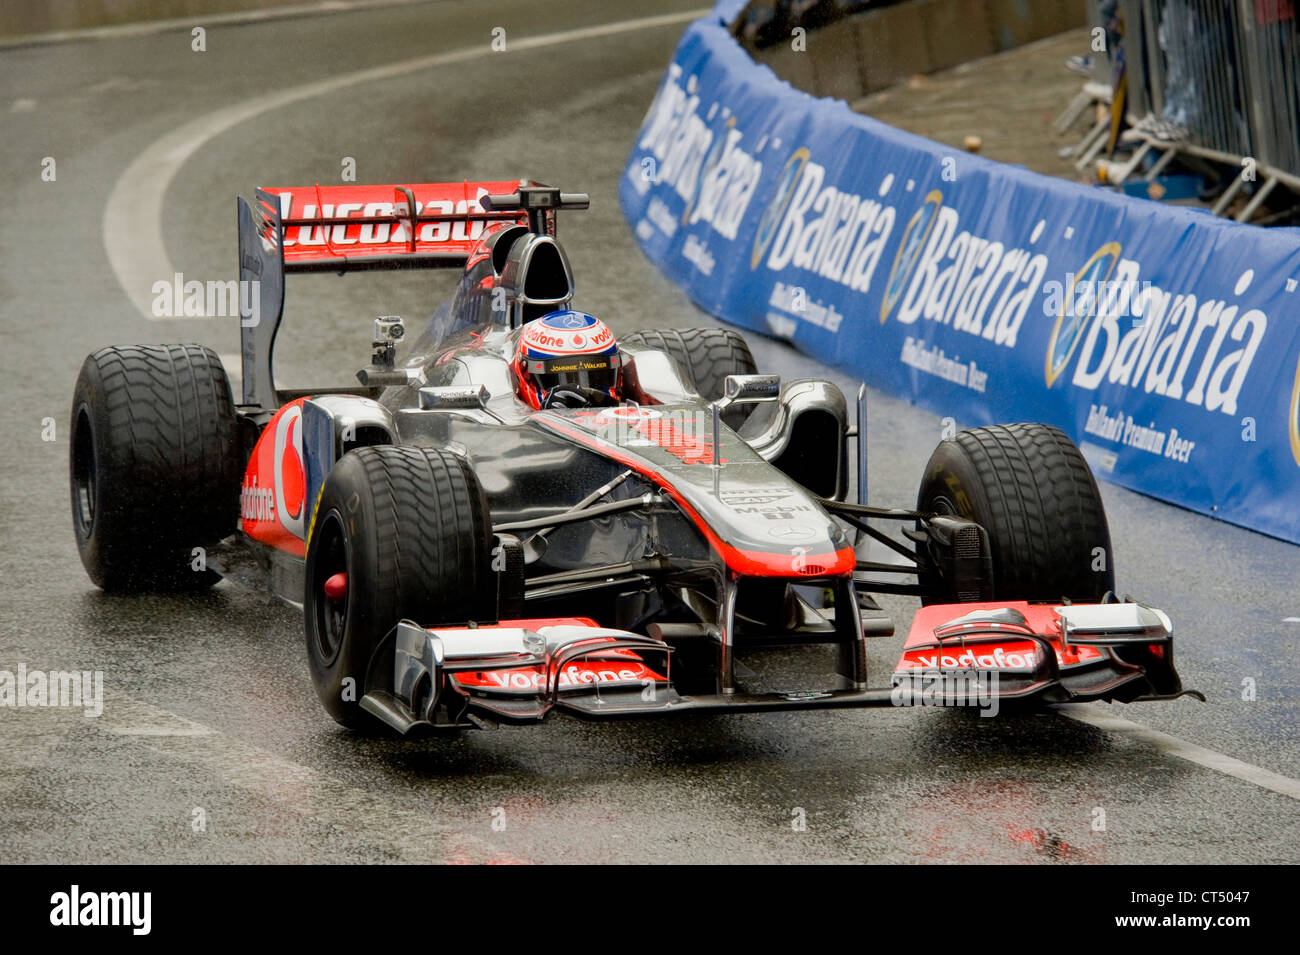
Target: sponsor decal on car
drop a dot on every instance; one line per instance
(1014, 655)
(273, 495)
(290, 477)
(256, 503)
(586, 338)
(685, 433)
(380, 233)
(610, 674)
(754, 495)
(1018, 655)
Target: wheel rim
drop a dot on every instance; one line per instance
(83, 473)
(331, 557)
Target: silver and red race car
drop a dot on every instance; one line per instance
(463, 551)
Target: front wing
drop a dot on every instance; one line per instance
(967, 655)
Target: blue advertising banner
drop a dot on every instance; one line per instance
(1164, 340)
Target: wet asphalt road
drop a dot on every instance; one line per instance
(210, 716)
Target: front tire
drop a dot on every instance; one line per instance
(1035, 496)
(707, 356)
(410, 529)
(154, 465)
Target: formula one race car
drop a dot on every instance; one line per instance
(528, 516)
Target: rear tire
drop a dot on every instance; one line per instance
(411, 529)
(707, 356)
(1035, 496)
(154, 465)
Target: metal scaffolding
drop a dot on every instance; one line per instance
(1214, 81)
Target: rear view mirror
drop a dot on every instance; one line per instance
(745, 389)
(453, 397)
(741, 389)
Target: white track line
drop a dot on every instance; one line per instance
(1173, 746)
(132, 225)
(235, 18)
(411, 835)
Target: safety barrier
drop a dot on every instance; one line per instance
(1165, 340)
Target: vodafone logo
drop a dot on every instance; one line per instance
(984, 661)
(565, 341)
(290, 476)
(1020, 655)
(588, 673)
(256, 503)
(567, 333)
(542, 338)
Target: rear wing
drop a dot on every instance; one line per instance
(348, 229)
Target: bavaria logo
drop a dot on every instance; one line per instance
(1074, 316)
(1294, 417)
(909, 251)
(775, 212)
(710, 162)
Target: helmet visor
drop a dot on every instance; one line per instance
(587, 371)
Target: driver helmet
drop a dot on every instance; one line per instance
(566, 348)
